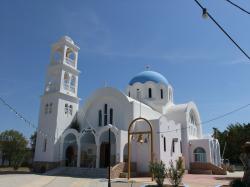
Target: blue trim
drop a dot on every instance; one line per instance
(146, 76)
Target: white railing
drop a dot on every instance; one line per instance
(72, 89)
(70, 62)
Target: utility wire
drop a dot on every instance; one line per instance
(46, 135)
(206, 13)
(237, 6)
(213, 119)
(226, 114)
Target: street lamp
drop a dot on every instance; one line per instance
(109, 155)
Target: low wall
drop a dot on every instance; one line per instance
(208, 166)
(41, 167)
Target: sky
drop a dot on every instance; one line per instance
(117, 40)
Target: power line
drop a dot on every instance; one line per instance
(213, 119)
(226, 114)
(206, 13)
(237, 6)
(20, 116)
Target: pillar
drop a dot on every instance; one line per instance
(97, 156)
(78, 154)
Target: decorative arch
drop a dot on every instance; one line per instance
(192, 109)
(70, 54)
(69, 147)
(150, 132)
(70, 131)
(104, 147)
(66, 79)
(106, 128)
(88, 149)
(72, 83)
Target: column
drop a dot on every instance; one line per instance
(97, 156)
(78, 155)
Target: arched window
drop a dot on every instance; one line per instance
(138, 94)
(150, 93)
(161, 93)
(70, 57)
(111, 116)
(181, 146)
(170, 95)
(66, 81)
(192, 118)
(50, 107)
(46, 110)
(100, 117)
(70, 109)
(45, 145)
(200, 155)
(164, 144)
(129, 94)
(72, 83)
(66, 109)
(70, 54)
(105, 114)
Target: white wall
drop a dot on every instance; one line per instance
(168, 130)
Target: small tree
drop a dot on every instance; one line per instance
(33, 143)
(176, 173)
(159, 171)
(13, 146)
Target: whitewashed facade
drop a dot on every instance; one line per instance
(78, 137)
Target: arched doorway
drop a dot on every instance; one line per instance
(200, 155)
(88, 150)
(104, 149)
(70, 150)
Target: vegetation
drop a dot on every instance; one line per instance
(159, 171)
(176, 173)
(237, 183)
(33, 143)
(234, 137)
(13, 146)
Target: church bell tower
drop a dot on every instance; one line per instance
(60, 101)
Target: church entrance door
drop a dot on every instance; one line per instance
(104, 155)
(70, 156)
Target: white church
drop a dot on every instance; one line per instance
(73, 136)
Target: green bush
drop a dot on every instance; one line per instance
(176, 173)
(237, 183)
(159, 171)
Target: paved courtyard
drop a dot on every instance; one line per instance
(33, 180)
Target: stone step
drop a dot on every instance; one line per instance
(125, 174)
(80, 172)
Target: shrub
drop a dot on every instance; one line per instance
(237, 183)
(159, 171)
(176, 173)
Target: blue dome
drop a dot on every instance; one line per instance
(146, 76)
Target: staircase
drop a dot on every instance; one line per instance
(120, 170)
(206, 168)
(79, 172)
